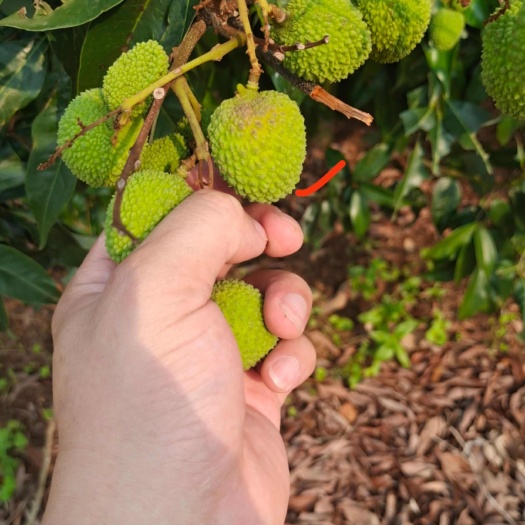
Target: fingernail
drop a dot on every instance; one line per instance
(261, 230)
(285, 372)
(293, 306)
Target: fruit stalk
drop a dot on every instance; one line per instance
(256, 70)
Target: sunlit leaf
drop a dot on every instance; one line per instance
(71, 13)
(22, 74)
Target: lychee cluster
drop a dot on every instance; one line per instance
(383, 30)
(503, 50)
(97, 156)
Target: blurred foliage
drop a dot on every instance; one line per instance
(433, 122)
(456, 154)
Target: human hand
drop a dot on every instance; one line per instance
(157, 421)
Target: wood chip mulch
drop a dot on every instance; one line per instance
(440, 443)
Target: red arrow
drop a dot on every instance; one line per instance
(322, 181)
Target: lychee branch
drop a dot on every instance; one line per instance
(83, 130)
(256, 70)
(215, 54)
(313, 90)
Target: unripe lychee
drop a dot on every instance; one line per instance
(148, 197)
(164, 154)
(97, 157)
(397, 26)
(503, 52)
(258, 141)
(445, 28)
(132, 72)
(311, 20)
(242, 306)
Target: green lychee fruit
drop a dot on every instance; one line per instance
(132, 72)
(183, 126)
(242, 306)
(258, 141)
(164, 154)
(311, 20)
(397, 26)
(503, 49)
(148, 197)
(445, 28)
(95, 157)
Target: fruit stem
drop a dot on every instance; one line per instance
(314, 91)
(217, 53)
(265, 8)
(183, 91)
(279, 15)
(256, 70)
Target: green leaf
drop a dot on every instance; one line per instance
(506, 128)
(405, 328)
(50, 190)
(466, 262)
(448, 247)
(71, 13)
(372, 163)
(378, 194)
(402, 356)
(476, 298)
(463, 120)
(131, 22)
(417, 118)
(12, 174)
(22, 74)
(359, 214)
(486, 251)
(446, 197)
(21, 277)
(4, 320)
(415, 174)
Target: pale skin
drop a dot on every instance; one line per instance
(158, 423)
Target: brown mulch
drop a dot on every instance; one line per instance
(441, 442)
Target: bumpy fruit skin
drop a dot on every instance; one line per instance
(93, 157)
(133, 71)
(148, 197)
(242, 306)
(397, 26)
(258, 141)
(164, 154)
(311, 20)
(183, 126)
(502, 70)
(445, 28)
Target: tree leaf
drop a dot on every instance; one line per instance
(415, 174)
(372, 163)
(69, 14)
(476, 298)
(485, 248)
(50, 190)
(22, 74)
(463, 120)
(21, 277)
(131, 22)
(359, 213)
(12, 174)
(465, 263)
(446, 197)
(448, 247)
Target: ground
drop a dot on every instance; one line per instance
(440, 441)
